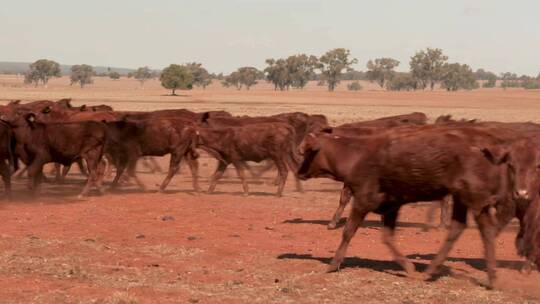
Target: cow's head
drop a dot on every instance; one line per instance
(523, 163)
(310, 149)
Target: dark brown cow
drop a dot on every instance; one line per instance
(41, 143)
(6, 156)
(426, 165)
(130, 140)
(253, 142)
(301, 122)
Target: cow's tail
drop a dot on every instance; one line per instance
(293, 158)
(11, 153)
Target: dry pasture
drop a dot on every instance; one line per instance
(177, 247)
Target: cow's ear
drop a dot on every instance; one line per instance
(205, 117)
(83, 108)
(496, 155)
(46, 110)
(14, 102)
(66, 102)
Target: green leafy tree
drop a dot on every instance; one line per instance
(82, 74)
(42, 70)
(402, 82)
(300, 69)
(354, 86)
(332, 64)
(458, 76)
(491, 81)
(244, 76)
(381, 70)
(509, 80)
(201, 77)
(427, 67)
(176, 77)
(232, 79)
(142, 74)
(114, 75)
(277, 73)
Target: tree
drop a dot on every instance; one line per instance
(232, 79)
(381, 70)
(332, 64)
(402, 82)
(300, 69)
(354, 86)
(244, 76)
(509, 80)
(42, 70)
(277, 73)
(142, 74)
(427, 67)
(82, 74)
(458, 76)
(201, 77)
(176, 77)
(114, 75)
(491, 81)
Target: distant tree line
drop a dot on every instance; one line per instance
(428, 69)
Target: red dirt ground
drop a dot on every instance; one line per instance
(132, 247)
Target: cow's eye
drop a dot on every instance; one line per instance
(538, 168)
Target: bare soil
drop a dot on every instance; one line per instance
(130, 246)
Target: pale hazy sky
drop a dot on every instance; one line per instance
(497, 35)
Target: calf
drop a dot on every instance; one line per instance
(41, 143)
(426, 165)
(130, 140)
(253, 142)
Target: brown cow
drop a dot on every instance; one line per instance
(41, 143)
(403, 123)
(426, 165)
(415, 118)
(253, 142)
(130, 140)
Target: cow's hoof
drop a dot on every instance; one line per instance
(80, 197)
(331, 226)
(333, 267)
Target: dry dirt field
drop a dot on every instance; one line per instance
(178, 247)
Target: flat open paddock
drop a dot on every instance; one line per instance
(135, 247)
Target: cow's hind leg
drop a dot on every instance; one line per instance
(282, 176)
(239, 166)
(459, 223)
(344, 199)
(173, 169)
(92, 158)
(217, 175)
(389, 220)
(194, 168)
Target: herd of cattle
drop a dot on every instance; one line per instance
(489, 168)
